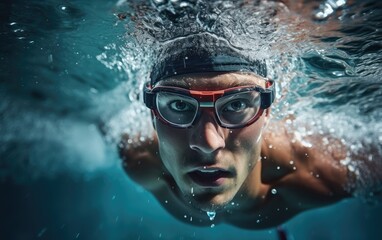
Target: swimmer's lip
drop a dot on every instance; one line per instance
(210, 176)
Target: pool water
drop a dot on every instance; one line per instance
(71, 74)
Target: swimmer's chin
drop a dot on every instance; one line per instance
(210, 205)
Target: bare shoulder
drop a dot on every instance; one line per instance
(310, 163)
(142, 163)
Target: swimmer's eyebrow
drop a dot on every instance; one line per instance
(174, 83)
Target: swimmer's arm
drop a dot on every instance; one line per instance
(308, 168)
(141, 162)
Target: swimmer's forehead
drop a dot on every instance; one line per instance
(212, 81)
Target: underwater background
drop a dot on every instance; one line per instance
(71, 74)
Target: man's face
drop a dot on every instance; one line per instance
(210, 163)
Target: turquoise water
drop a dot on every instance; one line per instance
(71, 74)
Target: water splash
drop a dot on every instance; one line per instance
(327, 8)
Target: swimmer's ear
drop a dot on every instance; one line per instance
(268, 112)
(153, 121)
(267, 117)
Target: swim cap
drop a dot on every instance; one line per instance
(202, 53)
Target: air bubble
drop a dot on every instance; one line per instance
(211, 215)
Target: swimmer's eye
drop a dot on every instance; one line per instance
(181, 106)
(236, 106)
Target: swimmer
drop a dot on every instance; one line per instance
(215, 149)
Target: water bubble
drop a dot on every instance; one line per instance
(212, 225)
(93, 90)
(278, 168)
(159, 1)
(211, 215)
(273, 191)
(291, 162)
(41, 232)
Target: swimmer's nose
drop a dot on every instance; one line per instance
(207, 136)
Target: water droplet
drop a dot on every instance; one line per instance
(257, 221)
(278, 167)
(212, 225)
(291, 162)
(185, 216)
(211, 215)
(273, 191)
(192, 190)
(166, 201)
(270, 146)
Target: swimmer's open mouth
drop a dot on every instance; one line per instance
(210, 176)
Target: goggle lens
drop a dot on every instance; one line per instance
(176, 108)
(232, 110)
(238, 109)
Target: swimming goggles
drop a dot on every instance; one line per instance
(235, 107)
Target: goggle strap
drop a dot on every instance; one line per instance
(268, 95)
(266, 99)
(149, 98)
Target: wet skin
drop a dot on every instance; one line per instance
(254, 177)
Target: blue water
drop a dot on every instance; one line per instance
(70, 77)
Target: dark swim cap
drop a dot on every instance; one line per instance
(203, 53)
